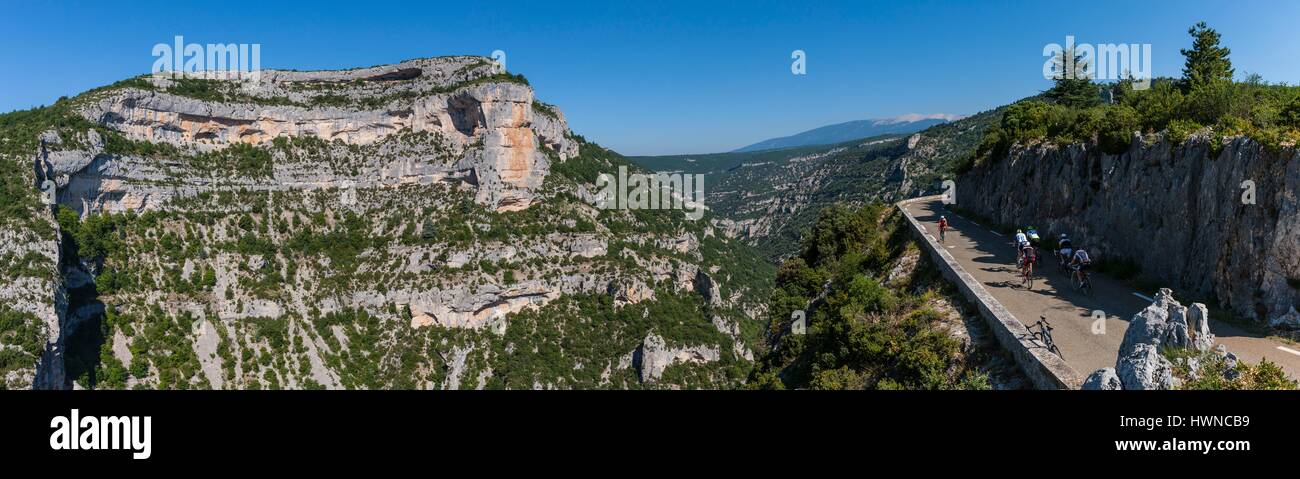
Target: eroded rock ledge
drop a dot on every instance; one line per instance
(493, 134)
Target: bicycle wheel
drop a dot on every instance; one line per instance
(1087, 285)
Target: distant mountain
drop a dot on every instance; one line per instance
(769, 198)
(853, 130)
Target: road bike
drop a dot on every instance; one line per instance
(1044, 335)
(1063, 264)
(1026, 269)
(1027, 274)
(1082, 281)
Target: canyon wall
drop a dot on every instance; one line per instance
(1175, 209)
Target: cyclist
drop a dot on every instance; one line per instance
(1066, 249)
(1021, 242)
(1031, 233)
(1027, 266)
(943, 226)
(1080, 262)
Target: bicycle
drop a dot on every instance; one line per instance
(1026, 268)
(1082, 281)
(1063, 264)
(1044, 335)
(1027, 274)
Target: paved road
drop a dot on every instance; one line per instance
(990, 258)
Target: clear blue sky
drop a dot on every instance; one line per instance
(650, 77)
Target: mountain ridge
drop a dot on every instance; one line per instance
(768, 198)
(852, 130)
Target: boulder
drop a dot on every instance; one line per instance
(1145, 369)
(1167, 323)
(1103, 380)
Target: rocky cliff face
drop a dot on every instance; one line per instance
(1175, 209)
(487, 129)
(418, 225)
(33, 304)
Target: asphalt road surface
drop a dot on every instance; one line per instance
(991, 258)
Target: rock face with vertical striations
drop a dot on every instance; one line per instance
(1178, 210)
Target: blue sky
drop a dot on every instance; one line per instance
(657, 77)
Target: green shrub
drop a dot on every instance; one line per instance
(1180, 130)
(861, 333)
(1157, 106)
(1116, 128)
(1212, 373)
(1206, 95)
(1290, 115)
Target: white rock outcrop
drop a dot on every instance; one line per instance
(654, 356)
(1165, 323)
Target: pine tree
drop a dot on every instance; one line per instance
(1207, 62)
(1074, 86)
(427, 230)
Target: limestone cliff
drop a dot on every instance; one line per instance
(417, 225)
(1175, 209)
(485, 123)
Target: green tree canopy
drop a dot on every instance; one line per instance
(1074, 86)
(1207, 62)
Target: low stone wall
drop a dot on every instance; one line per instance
(1046, 370)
